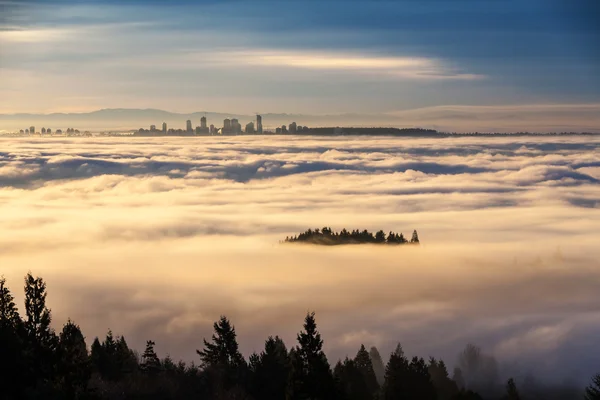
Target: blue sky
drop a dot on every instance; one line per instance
(297, 56)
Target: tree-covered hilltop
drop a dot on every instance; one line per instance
(328, 237)
(37, 363)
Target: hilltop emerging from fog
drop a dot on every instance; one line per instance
(328, 237)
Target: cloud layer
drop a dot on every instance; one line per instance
(155, 238)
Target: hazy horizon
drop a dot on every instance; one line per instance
(550, 118)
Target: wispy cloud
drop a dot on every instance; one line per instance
(399, 66)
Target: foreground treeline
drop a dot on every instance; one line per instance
(37, 363)
(328, 237)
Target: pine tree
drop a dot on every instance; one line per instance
(378, 366)
(511, 390)
(311, 367)
(41, 339)
(223, 350)
(415, 237)
(592, 392)
(13, 370)
(350, 381)
(419, 381)
(150, 361)
(74, 365)
(396, 371)
(272, 371)
(223, 364)
(365, 366)
(445, 387)
(9, 315)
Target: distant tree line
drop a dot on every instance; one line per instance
(328, 237)
(370, 131)
(38, 363)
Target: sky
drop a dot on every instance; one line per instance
(155, 238)
(295, 56)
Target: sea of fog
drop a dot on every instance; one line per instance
(155, 238)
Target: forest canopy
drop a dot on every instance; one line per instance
(327, 237)
(38, 363)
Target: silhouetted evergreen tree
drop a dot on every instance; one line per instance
(350, 381)
(13, 371)
(420, 383)
(223, 364)
(365, 366)
(415, 237)
(150, 362)
(41, 341)
(378, 366)
(592, 392)
(272, 369)
(511, 390)
(404, 380)
(445, 387)
(311, 370)
(223, 350)
(396, 371)
(74, 367)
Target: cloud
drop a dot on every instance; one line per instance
(401, 67)
(154, 238)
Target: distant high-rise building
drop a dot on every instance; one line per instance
(226, 126)
(236, 127)
(48, 131)
(188, 126)
(213, 130)
(21, 131)
(283, 129)
(59, 131)
(152, 128)
(43, 130)
(250, 127)
(164, 127)
(32, 129)
(259, 127)
(203, 129)
(293, 127)
(278, 130)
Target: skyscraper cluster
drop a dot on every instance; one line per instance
(230, 127)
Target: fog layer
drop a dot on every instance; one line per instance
(155, 238)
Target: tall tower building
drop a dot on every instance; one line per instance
(259, 128)
(203, 122)
(188, 126)
(164, 127)
(226, 126)
(293, 127)
(250, 127)
(236, 127)
(32, 129)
